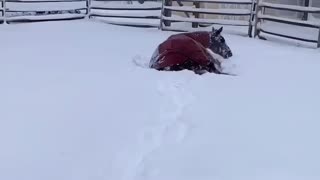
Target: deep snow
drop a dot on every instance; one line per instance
(79, 103)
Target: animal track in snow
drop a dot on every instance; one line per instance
(169, 129)
(140, 61)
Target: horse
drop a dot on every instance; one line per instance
(199, 51)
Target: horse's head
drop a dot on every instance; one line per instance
(218, 44)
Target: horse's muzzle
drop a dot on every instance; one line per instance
(229, 54)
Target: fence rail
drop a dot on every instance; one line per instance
(262, 16)
(221, 1)
(48, 1)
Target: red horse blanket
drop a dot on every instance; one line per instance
(184, 50)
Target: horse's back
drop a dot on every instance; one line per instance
(178, 49)
(202, 37)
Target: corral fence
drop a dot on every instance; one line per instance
(17, 11)
(171, 15)
(129, 13)
(263, 17)
(205, 12)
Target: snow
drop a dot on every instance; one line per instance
(228, 1)
(79, 102)
(228, 11)
(46, 17)
(291, 30)
(202, 20)
(283, 19)
(127, 13)
(125, 21)
(125, 4)
(135, 11)
(46, 6)
(290, 7)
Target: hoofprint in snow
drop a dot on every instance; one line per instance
(78, 102)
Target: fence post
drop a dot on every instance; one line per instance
(258, 8)
(251, 18)
(2, 1)
(167, 12)
(318, 46)
(88, 6)
(4, 7)
(305, 14)
(196, 15)
(161, 15)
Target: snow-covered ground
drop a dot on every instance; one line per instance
(77, 102)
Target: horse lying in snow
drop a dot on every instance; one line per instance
(196, 51)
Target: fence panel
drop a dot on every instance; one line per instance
(196, 12)
(289, 25)
(18, 11)
(127, 13)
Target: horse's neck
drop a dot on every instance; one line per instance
(202, 37)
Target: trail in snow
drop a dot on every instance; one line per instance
(171, 127)
(90, 113)
(227, 65)
(140, 61)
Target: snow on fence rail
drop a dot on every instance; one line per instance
(196, 10)
(44, 10)
(130, 13)
(305, 23)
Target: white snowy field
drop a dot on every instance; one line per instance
(77, 102)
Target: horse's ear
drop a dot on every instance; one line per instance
(220, 30)
(216, 32)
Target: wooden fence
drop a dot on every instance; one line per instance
(246, 14)
(162, 14)
(43, 10)
(261, 17)
(130, 13)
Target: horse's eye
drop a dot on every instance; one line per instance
(222, 40)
